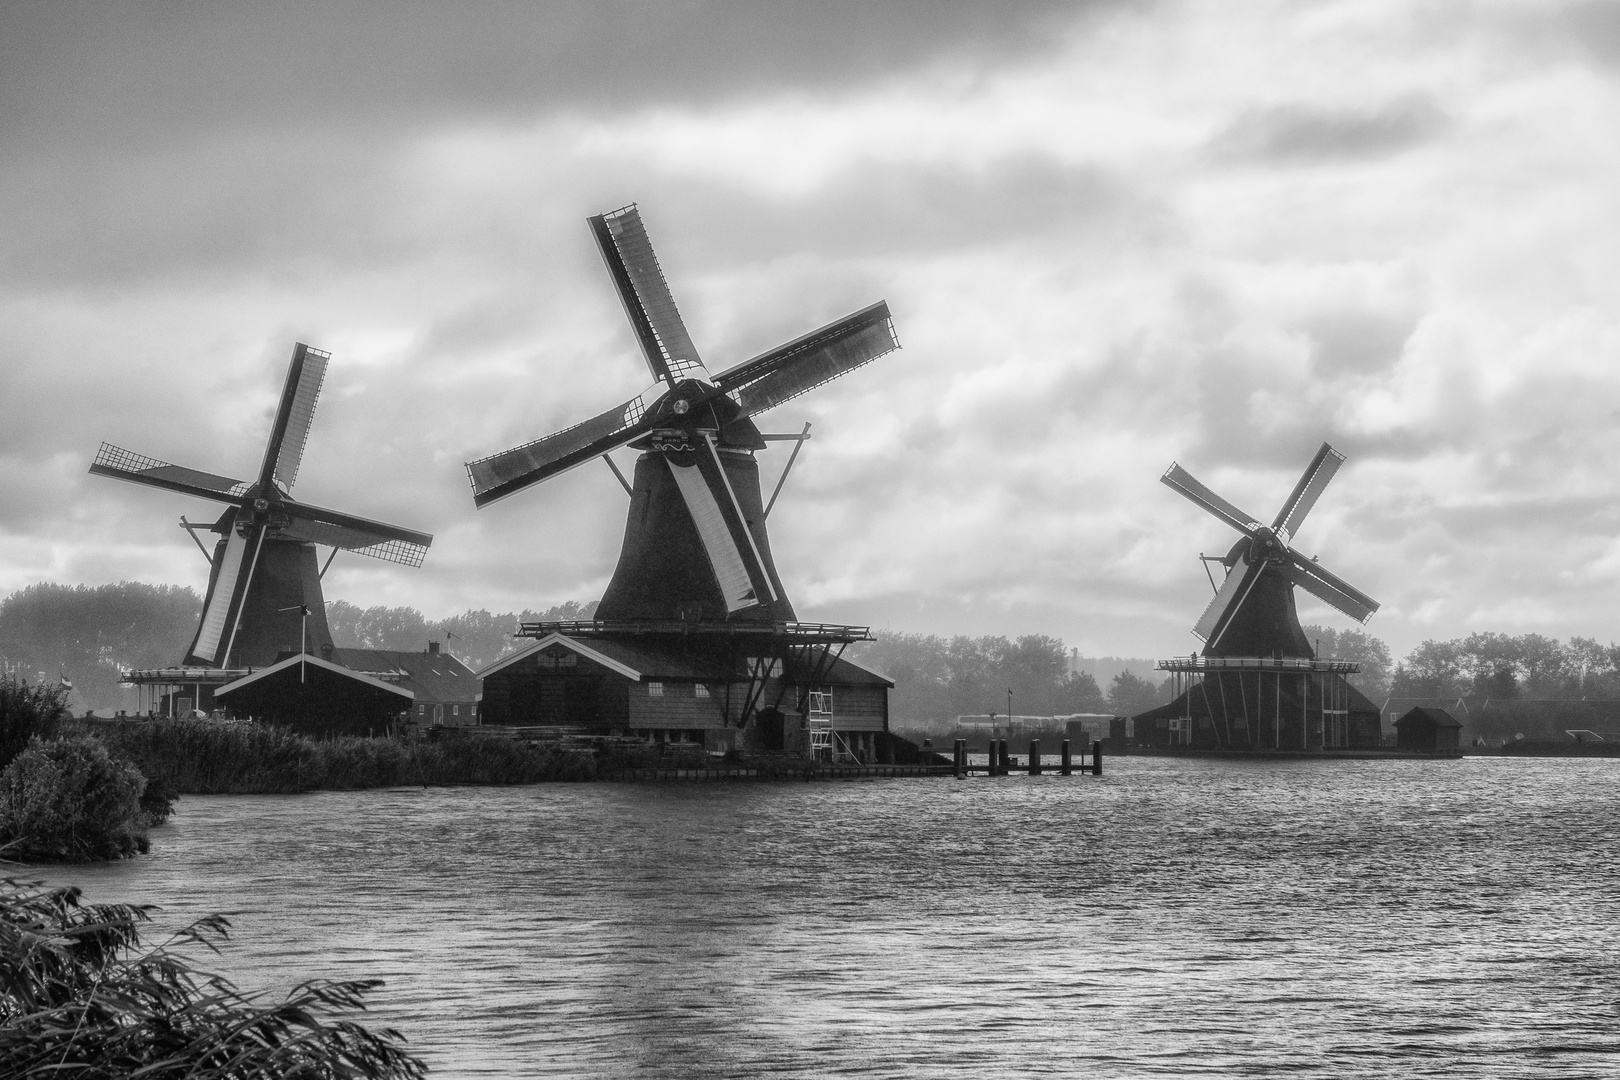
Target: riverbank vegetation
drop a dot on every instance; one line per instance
(80, 996)
(208, 757)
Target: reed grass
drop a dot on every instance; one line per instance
(81, 998)
(206, 757)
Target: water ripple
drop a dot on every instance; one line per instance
(1173, 918)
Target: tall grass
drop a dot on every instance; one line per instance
(203, 757)
(28, 710)
(80, 997)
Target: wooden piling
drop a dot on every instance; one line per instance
(1096, 758)
(1034, 757)
(961, 758)
(1006, 758)
(1066, 762)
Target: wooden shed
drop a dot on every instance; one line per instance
(1426, 729)
(316, 697)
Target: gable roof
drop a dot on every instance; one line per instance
(316, 662)
(433, 677)
(590, 652)
(1438, 717)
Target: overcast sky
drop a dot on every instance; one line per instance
(1112, 235)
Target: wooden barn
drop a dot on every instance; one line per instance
(694, 689)
(1428, 730)
(316, 697)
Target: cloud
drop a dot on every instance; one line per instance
(1307, 134)
(1109, 237)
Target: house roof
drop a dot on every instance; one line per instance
(432, 677)
(279, 666)
(643, 658)
(1437, 717)
(1400, 705)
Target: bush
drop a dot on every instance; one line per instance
(25, 712)
(68, 800)
(78, 998)
(204, 757)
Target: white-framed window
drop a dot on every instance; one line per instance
(699, 690)
(421, 710)
(655, 689)
(472, 710)
(455, 710)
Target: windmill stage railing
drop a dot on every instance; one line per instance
(803, 633)
(1200, 664)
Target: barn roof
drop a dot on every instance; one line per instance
(1438, 717)
(644, 658)
(270, 673)
(433, 676)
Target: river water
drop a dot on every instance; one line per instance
(1171, 918)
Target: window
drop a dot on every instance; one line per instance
(699, 690)
(455, 710)
(472, 710)
(421, 710)
(655, 689)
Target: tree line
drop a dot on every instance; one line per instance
(90, 634)
(1506, 667)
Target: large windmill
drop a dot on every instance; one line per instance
(264, 588)
(695, 547)
(1253, 612)
(1258, 683)
(694, 634)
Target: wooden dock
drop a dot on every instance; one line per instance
(1000, 763)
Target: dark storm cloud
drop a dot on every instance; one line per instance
(134, 74)
(1305, 134)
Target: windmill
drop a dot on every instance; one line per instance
(1258, 684)
(264, 569)
(695, 546)
(1253, 611)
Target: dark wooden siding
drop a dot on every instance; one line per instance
(679, 707)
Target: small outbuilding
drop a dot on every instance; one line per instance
(316, 697)
(1429, 730)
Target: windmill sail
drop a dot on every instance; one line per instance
(628, 252)
(499, 475)
(380, 542)
(121, 464)
(1182, 481)
(806, 363)
(291, 431)
(223, 601)
(1310, 487)
(1316, 580)
(725, 556)
(1237, 585)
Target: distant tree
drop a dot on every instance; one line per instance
(91, 634)
(1130, 694)
(1080, 693)
(480, 637)
(1366, 650)
(1433, 669)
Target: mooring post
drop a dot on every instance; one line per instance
(1006, 758)
(1096, 758)
(1066, 762)
(1034, 757)
(961, 758)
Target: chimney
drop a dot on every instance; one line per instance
(433, 648)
